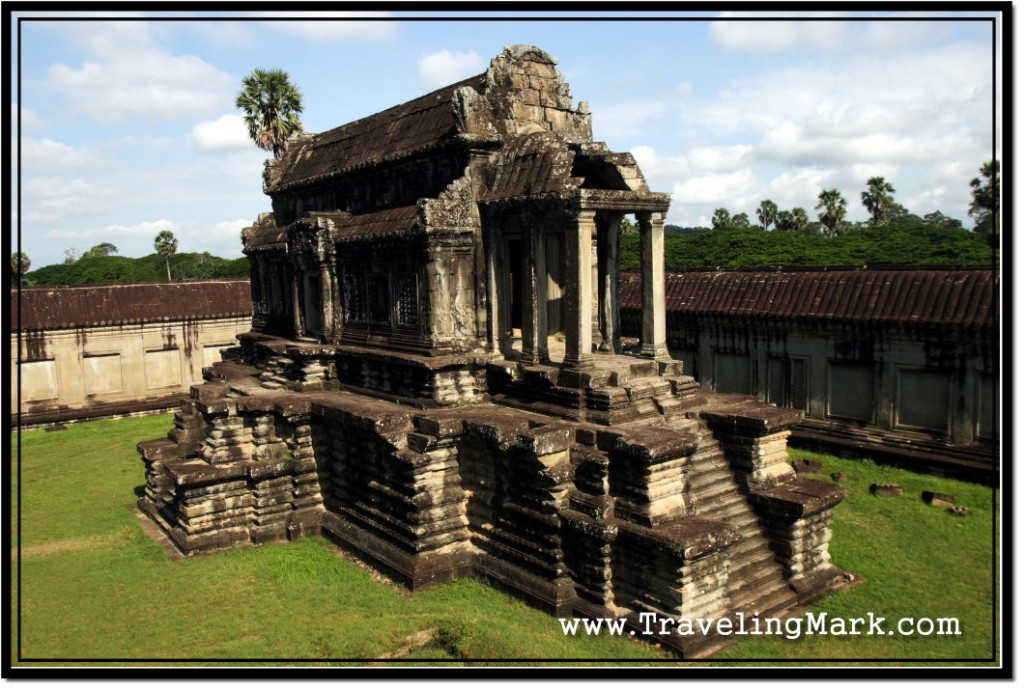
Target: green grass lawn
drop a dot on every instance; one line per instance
(94, 587)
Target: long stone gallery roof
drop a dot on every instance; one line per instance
(964, 298)
(68, 307)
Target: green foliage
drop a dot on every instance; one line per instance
(833, 211)
(20, 263)
(272, 105)
(114, 269)
(104, 249)
(914, 245)
(878, 199)
(767, 213)
(985, 201)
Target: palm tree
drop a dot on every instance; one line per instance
(720, 219)
(800, 219)
(877, 199)
(834, 210)
(166, 245)
(20, 263)
(985, 201)
(271, 104)
(767, 213)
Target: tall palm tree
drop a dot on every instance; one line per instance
(767, 213)
(800, 219)
(272, 105)
(166, 245)
(720, 219)
(877, 199)
(834, 210)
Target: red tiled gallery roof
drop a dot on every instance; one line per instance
(934, 297)
(65, 307)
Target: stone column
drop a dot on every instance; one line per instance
(608, 283)
(531, 336)
(296, 302)
(541, 262)
(652, 268)
(493, 300)
(579, 293)
(338, 319)
(326, 300)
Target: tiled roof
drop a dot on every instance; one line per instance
(68, 307)
(939, 297)
(398, 222)
(392, 133)
(532, 164)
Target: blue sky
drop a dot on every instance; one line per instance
(129, 127)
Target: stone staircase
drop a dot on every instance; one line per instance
(757, 583)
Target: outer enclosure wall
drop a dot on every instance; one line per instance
(92, 366)
(897, 385)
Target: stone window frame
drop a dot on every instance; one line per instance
(873, 418)
(56, 373)
(104, 353)
(897, 423)
(788, 374)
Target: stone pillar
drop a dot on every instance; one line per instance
(326, 300)
(493, 299)
(531, 336)
(579, 293)
(608, 284)
(338, 318)
(541, 262)
(296, 303)
(652, 268)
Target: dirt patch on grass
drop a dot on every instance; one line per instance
(63, 546)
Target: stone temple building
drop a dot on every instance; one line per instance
(436, 378)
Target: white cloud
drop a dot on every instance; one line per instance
(46, 154)
(731, 189)
(445, 67)
(30, 120)
(776, 36)
(128, 77)
(48, 199)
(226, 133)
(328, 27)
(139, 230)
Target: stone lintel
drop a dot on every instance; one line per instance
(800, 498)
(199, 472)
(687, 539)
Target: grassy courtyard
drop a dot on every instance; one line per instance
(94, 587)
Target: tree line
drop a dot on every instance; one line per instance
(102, 264)
(883, 210)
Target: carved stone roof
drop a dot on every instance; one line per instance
(68, 307)
(964, 298)
(533, 164)
(389, 223)
(391, 134)
(264, 234)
